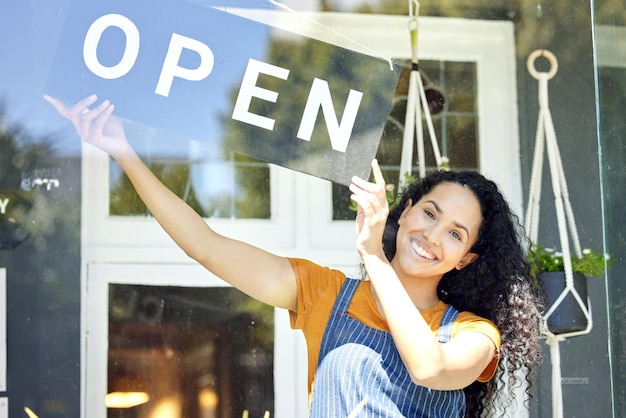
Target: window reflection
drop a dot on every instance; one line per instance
(190, 352)
(228, 185)
(456, 126)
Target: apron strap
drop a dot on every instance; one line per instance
(444, 334)
(345, 295)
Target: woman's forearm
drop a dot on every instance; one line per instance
(256, 272)
(177, 218)
(414, 339)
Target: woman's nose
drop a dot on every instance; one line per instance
(433, 235)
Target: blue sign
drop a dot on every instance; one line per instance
(214, 77)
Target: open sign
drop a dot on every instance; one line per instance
(200, 72)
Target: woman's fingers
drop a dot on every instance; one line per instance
(363, 203)
(90, 124)
(103, 115)
(86, 123)
(58, 105)
(379, 181)
(378, 174)
(363, 189)
(92, 117)
(82, 107)
(372, 210)
(96, 125)
(80, 115)
(370, 197)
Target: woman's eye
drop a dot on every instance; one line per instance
(429, 213)
(456, 235)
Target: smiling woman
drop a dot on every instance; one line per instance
(448, 220)
(485, 261)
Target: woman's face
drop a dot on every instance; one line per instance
(436, 234)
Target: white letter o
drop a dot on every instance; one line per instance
(92, 39)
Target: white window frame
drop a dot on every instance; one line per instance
(286, 383)
(115, 237)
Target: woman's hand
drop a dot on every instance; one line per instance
(95, 126)
(372, 211)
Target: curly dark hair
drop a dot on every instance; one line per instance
(496, 286)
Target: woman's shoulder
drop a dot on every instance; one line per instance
(465, 321)
(308, 270)
(470, 317)
(317, 288)
(315, 281)
(468, 321)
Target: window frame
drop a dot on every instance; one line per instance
(100, 230)
(286, 344)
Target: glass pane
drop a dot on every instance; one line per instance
(612, 89)
(189, 352)
(41, 193)
(462, 141)
(215, 182)
(459, 83)
(450, 88)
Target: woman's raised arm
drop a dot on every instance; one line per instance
(264, 276)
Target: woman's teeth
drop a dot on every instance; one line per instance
(422, 252)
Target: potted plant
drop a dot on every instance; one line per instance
(548, 269)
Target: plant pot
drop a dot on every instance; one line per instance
(568, 315)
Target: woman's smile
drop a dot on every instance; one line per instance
(422, 252)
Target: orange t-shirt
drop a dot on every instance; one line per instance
(318, 288)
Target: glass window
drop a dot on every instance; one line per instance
(188, 352)
(450, 88)
(612, 89)
(54, 241)
(215, 182)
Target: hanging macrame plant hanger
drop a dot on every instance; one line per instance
(546, 139)
(416, 103)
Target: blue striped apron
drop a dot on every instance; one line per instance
(360, 372)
